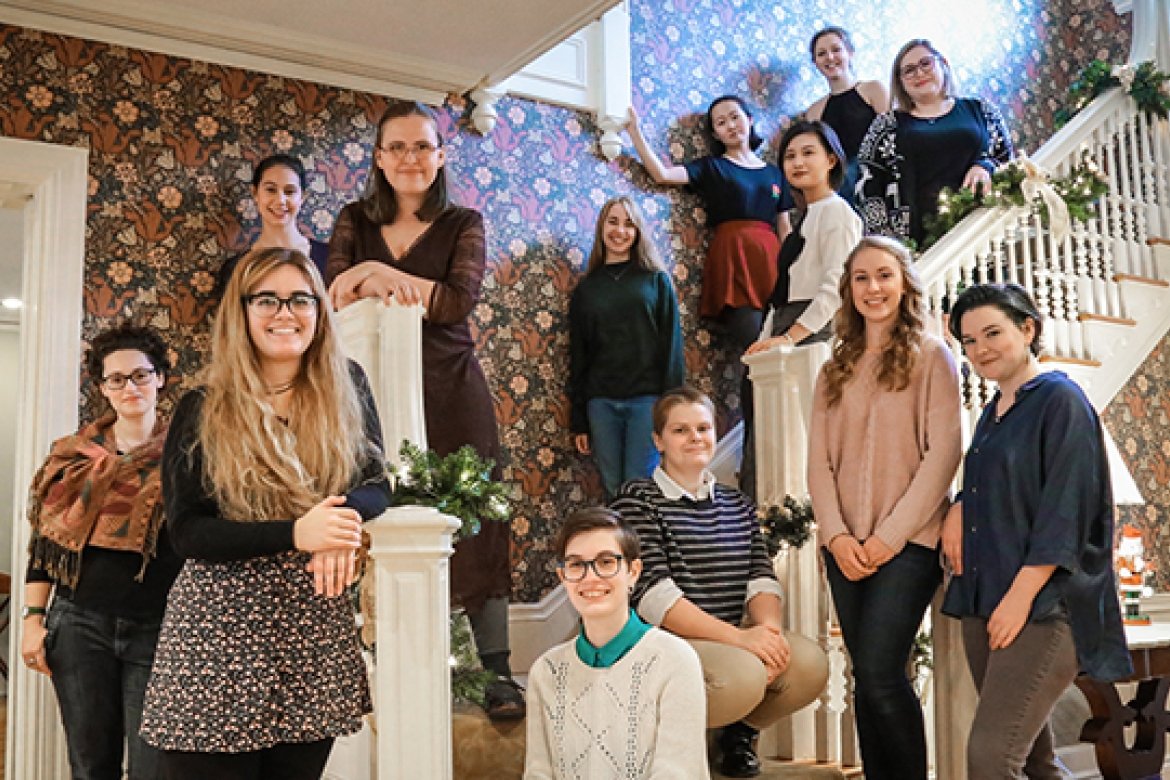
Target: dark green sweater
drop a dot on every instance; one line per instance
(624, 337)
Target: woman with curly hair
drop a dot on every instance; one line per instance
(931, 140)
(268, 472)
(883, 448)
(100, 548)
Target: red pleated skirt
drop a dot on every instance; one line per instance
(741, 266)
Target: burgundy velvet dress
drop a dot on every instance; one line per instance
(457, 403)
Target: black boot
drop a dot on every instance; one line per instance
(739, 755)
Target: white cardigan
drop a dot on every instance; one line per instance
(831, 229)
(644, 717)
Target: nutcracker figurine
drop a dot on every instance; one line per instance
(1132, 571)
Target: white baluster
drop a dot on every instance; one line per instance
(1118, 244)
(1138, 205)
(1150, 175)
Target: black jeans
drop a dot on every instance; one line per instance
(100, 666)
(288, 761)
(879, 617)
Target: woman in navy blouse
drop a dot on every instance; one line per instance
(930, 141)
(742, 196)
(1031, 542)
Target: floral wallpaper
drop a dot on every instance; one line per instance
(1138, 419)
(173, 141)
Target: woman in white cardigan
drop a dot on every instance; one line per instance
(623, 699)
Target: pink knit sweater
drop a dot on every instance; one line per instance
(881, 463)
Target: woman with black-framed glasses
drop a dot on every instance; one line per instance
(406, 242)
(269, 470)
(618, 670)
(931, 140)
(100, 547)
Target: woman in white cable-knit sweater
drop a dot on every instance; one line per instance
(624, 699)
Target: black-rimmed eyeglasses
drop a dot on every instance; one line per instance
(267, 304)
(924, 65)
(139, 376)
(399, 150)
(605, 566)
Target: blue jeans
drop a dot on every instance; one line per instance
(620, 433)
(880, 616)
(100, 666)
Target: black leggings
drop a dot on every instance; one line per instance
(286, 761)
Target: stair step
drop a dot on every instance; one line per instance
(1090, 317)
(1140, 280)
(1071, 361)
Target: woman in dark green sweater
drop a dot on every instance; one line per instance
(625, 346)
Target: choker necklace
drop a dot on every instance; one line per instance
(609, 272)
(282, 389)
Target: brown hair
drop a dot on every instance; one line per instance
(594, 518)
(125, 336)
(378, 200)
(902, 98)
(677, 397)
(642, 253)
(832, 29)
(256, 466)
(901, 351)
(1011, 299)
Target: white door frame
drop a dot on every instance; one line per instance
(50, 364)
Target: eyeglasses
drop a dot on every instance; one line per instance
(139, 376)
(924, 65)
(399, 150)
(605, 566)
(267, 304)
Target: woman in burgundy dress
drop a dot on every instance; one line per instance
(404, 241)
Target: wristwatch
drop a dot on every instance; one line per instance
(31, 611)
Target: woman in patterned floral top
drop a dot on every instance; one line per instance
(931, 140)
(268, 472)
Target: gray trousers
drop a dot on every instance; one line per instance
(1018, 689)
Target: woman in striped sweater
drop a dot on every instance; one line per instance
(707, 578)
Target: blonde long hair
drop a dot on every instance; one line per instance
(901, 351)
(256, 466)
(643, 253)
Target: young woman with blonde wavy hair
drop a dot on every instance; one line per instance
(884, 446)
(268, 472)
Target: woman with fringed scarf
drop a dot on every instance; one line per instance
(99, 548)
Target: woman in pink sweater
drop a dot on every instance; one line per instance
(884, 446)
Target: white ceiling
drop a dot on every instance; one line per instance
(400, 48)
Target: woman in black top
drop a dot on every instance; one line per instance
(98, 540)
(930, 140)
(625, 347)
(851, 105)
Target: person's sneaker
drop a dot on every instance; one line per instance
(504, 700)
(739, 755)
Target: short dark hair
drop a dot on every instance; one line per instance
(282, 160)
(594, 518)
(1011, 299)
(677, 397)
(718, 146)
(829, 140)
(126, 336)
(378, 200)
(832, 29)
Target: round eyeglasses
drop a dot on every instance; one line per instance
(605, 566)
(139, 376)
(399, 150)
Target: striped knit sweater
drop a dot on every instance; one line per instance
(709, 551)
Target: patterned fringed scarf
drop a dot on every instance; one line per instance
(86, 493)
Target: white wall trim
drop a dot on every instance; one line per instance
(534, 628)
(50, 357)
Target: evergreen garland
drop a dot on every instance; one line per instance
(1079, 190)
(788, 525)
(459, 485)
(1144, 83)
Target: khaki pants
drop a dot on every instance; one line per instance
(737, 682)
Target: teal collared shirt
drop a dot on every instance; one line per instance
(615, 649)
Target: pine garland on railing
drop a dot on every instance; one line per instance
(788, 525)
(1079, 190)
(1144, 83)
(459, 484)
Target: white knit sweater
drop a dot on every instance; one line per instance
(644, 717)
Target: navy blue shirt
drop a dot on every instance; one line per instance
(1036, 493)
(730, 191)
